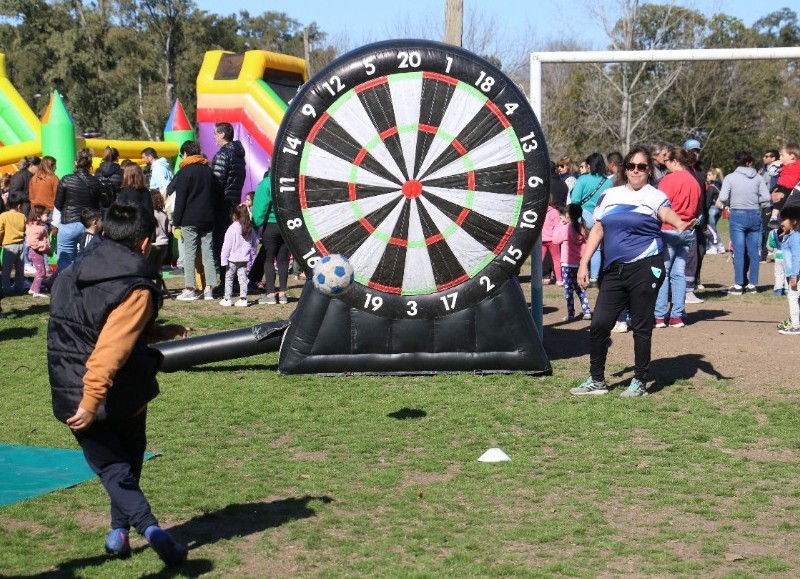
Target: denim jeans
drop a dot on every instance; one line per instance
(68, 236)
(745, 229)
(597, 257)
(676, 251)
(194, 239)
(714, 213)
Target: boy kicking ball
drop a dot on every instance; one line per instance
(102, 373)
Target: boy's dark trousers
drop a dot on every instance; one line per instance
(114, 450)
(628, 284)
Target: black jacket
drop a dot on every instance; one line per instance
(20, 183)
(83, 295)
(111, 172)
(76, 192)
(138, 196)
(198, 199)
(230, 169)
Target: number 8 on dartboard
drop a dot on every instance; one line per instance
(420, 162)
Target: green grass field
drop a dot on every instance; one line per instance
(373, 476)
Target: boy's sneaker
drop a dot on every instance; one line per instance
(790, 331)
(187, 295)
(635, 390)
(265, 299)
(620, 327)
(779, 292)
(660, 323)
(170, 551)
(751, 288)
(282, 299)
(225, 302)
(773, 223)
(118, 544)
(590, 387)
(208, 294)
(241, 303)
(676, 323)
(735, 290)
(691, 298)
(39, 295)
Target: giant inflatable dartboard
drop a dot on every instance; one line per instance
(424, 165)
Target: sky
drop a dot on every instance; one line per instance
(529, 23)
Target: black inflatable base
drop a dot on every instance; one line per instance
(326, 336)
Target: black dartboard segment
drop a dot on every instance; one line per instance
(420, 162)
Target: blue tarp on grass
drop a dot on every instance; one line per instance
(30, 471)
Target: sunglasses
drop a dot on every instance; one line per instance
(643, 167)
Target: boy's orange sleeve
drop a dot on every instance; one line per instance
(122, 328)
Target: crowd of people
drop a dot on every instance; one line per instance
(199, 212)
(639, 228)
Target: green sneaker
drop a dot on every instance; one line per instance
(590, 387)
(635, 390)
(784, 325)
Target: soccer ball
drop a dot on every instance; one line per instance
(332, 275)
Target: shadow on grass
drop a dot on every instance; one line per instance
(563, 340)
(17, 313)
(232, 521)
(244, 519)
(407, 413)
(665, 372)
(17, 333)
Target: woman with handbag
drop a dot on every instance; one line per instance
(77, 191)
(587, 192)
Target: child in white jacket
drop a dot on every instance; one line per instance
(238, 253)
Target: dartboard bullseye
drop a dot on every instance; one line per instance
(421, 163)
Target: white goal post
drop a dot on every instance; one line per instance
(539, 58)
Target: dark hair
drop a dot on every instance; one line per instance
(680, 155)
(111, 155)
(128, 224)
(224, 129)
(150, 152)
(133, 177)
(15, 199)
(575, 213)
(743, 158)
(88, 215)
(36, 212)
(774, 153)
(25, 162)
(596, 164)
(190, 148)
(158, 200)
(242, 215)
(623, 176)
(615, 158)
(83, 160)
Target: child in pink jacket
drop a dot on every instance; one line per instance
(551, 221)
(38, 240)
(571, 234)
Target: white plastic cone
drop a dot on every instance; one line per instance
(494, 455)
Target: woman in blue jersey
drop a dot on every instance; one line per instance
(628, 222)
(587, 191)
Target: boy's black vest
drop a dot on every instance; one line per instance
(83, 295)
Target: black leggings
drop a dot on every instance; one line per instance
(629, 284)
(275, 247)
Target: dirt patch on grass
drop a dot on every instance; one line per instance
(725, 338)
